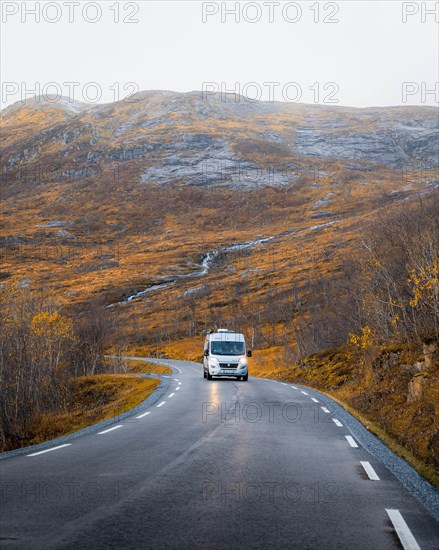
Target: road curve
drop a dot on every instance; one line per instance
(212, 464)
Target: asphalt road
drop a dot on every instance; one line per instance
(215, 464)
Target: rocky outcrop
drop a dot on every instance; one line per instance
(420, 379)
(397, 147)
(415, 373)
(416, 388)
(431, 353)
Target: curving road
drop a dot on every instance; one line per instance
(217, 465)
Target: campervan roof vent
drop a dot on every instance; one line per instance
(223, 330)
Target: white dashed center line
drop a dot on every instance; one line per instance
(294, 387)
(179, 383)
(110, 429)
(171, 395)
(283, 383)
(144, 414)
(176, 379)
(408, 541)
(370, 471)
(324, 409)
(351, 441)
(337, 422)
(161, 404)
(304, 392)
(315, 400)
(48, 450)
(176, 389)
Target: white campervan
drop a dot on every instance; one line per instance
(225, 355)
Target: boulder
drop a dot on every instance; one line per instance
(416, 388)
(431, 355)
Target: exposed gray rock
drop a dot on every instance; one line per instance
(65, 234)
(394, 145)
(322, 202)
(214, 165)
(359, 167)
(322, 215)
(58, 223)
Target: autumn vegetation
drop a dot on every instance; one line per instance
(388, 293)
(54, 378)
(344, 298)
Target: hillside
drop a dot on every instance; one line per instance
(151, 220)
(224, 201)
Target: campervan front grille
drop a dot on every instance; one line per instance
(228, 365)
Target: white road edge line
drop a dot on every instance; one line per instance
(52, 449)
(176, 368)
(324, 409)
(351, 441)
(110, 429)
(144, 414)
(162, 403)
(171, 395)
(304, 392)
(408, 541)
(370, 471)
(283, 383)
(337, 422)
(315, 400)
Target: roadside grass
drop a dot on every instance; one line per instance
(267, 363)
(143, 367)
(91, 399)
(187, 349)
(120, 364)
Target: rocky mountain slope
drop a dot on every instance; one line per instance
(165, 138)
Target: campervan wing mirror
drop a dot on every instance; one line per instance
(206, 353)
(249, 353)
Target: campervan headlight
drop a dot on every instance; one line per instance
(243, 362)
(214, 362)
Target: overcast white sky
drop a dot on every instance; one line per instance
(362, 60)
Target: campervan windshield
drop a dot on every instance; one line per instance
(219, 347)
